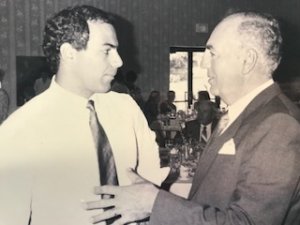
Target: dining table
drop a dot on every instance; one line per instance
(181, 186)
(182, 161)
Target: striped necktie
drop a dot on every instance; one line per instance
(107, 167)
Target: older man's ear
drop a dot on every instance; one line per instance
(250, 59)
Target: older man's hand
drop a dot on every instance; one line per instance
(132, 203)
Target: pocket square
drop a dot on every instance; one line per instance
(228, 148)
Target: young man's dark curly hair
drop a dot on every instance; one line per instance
(70, 26)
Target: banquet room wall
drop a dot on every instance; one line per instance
(147, 29)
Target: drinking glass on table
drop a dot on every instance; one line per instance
(175, 159)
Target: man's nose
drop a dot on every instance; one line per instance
(116, 60)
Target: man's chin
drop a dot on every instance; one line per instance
(103, 90)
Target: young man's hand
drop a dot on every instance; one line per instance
(132, 203)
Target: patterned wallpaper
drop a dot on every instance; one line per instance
(4, 38)
(153, 26)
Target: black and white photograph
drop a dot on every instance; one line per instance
(149, 112)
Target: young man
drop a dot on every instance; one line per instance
(249, 171)
(48, 158)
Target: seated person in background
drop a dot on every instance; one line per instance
(168, 105)
(125, 83)
(151, 109)
(137, 96)
(202, 96)
(200, 129)
(119, 84)
(218, 102)
(42, 83)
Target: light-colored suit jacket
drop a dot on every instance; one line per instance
(248, 175)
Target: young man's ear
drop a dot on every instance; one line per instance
(249, 60)
(67, 52)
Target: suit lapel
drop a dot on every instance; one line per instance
(210, 153)
(216, 142)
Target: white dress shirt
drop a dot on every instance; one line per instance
(237, 108)
(208, 132)
(48, 161)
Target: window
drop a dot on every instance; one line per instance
(186, 75)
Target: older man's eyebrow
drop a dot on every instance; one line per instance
(110, 45)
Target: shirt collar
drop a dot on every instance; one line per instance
(237, 108)
(64, 93)
(208, 126)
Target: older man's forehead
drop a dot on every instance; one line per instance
(225, 32)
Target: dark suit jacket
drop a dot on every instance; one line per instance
(192, 129)
(166, 107)
(259, 184)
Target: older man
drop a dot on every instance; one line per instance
(249, 171)
(48, 158)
